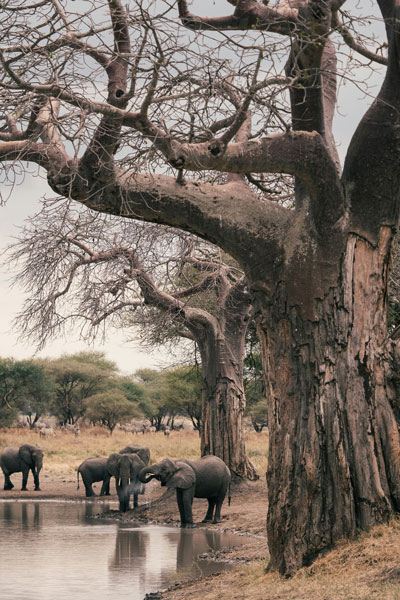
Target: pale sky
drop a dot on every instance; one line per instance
(23, 201)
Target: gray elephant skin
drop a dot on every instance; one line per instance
(125, 467)
(92, 470)
(142, 451)
(208, 478)
(21, 460)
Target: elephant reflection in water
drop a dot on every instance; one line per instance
(148, 555)
(27, 513)
(191, 546)
(180, 550)
(29, 520)
(92, 510)
(130, 554)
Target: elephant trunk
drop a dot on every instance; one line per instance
(38, 464)
(123, 493)
(146, 474)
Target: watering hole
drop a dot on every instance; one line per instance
(53, 549)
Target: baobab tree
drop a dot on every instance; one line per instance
(139, 112)
(96, 273)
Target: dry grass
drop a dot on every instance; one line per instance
(365, 569)
(63, 453)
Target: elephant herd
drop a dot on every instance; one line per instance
(208, 477)
(124, 466)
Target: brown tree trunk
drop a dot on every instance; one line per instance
(223, 408)
(334, 444)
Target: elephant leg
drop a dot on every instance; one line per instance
(120, 498)
(105, 488)
(123, 498)
(135, 501)
(89, 490)
(179, 501)
(8, 485)
(217, 516)
(36, 480)
(187, 500)
(210, 512)
(24, 480)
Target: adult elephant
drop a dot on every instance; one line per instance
(92, 470)
(21, 460)
(208, 478)
(125, 468)
(142, 451)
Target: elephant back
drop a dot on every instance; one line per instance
(142, 451)
(93, 463)
(211, 474)
(9, 455)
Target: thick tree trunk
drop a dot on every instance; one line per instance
(334, 444)
(223, 409)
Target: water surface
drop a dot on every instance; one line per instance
(54, 550)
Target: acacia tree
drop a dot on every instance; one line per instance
(317, 271)
(92, 272)
(110, 408)
(78, 377)
(26, 387)
(184, 392)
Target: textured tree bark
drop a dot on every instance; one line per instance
(220, 336)
(223, 409)
(334, 447)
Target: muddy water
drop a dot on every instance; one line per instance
(54, 550)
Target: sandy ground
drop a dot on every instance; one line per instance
(246, 515)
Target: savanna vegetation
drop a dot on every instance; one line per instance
(63, 452)
(86, 387)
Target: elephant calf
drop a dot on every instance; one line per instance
(208, 478)
(91, 470)
(21, 460)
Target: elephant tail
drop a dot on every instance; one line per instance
(229, 494)
(77, 478)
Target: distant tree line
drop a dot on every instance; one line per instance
(88, 386)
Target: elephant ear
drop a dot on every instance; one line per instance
(112, 463)
(25, 454)
(136, 462)
(184, 476)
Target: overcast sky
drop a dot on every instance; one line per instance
(24, 201)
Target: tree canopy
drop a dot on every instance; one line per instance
(24, 386)
(110, 408)
(78, 377)
(183, 392)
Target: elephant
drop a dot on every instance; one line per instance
(142, 451)
(23, 459)
(125, 468)
(208, 478)
(91, 470)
